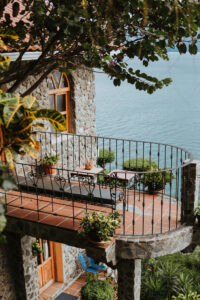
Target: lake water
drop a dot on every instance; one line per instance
(170, 115)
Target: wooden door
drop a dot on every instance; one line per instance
(46, 272)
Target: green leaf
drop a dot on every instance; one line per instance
(29, 102)
(193, 49)
(10, 108)
(56, 119)
(9, 157)
(30, 150)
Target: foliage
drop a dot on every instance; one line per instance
(197, 210)
(139, 164)
(171, 276)
(152, 181)
(97, 289)
(6, 183)
(105, 156)
(36, 248)
(190, 296)
(50, 160)
(18, 118)
(100, 227)
(100, 34)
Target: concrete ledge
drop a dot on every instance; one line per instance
(123, 247)
(61, 235)
(154, 246)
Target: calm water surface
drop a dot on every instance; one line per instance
(170, 115)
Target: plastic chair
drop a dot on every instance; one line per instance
(92, 268)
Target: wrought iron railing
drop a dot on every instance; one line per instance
(142, 180)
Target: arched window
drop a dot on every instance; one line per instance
(59, 95)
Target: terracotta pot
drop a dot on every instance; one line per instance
(49, 169)
(101, 244)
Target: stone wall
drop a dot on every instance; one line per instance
(73, 150)
(82, 94)
(71, 264)
(7, 287)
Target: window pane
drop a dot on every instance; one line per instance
(50, 86)
(64, 82)
(61, 102)
(51, 101)
(56, 76)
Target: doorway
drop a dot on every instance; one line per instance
(50, 265)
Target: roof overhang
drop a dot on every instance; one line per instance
(27, 55)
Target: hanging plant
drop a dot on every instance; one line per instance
(36, 248)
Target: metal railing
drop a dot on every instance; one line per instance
(142, 180)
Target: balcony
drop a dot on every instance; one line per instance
(143, 181)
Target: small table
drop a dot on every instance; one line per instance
(124, 176)
(127, 178)
(83, 173)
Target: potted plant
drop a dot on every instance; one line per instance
(48, 164)
(36, 248)
(99, 227)
(152, 182)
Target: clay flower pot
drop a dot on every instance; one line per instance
(49, 169)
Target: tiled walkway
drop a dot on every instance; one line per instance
(146, 214)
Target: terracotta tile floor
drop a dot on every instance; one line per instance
(144, 214)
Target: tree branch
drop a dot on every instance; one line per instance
(36, 84)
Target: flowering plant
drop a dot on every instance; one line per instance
(100, 227)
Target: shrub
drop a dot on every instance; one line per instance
(105, 156)
(139, 164)
(153, 181)
(190, 296)
(97, 289)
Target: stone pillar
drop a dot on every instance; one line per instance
(189, 191)
(30, 269)
(7, 287)
(129, 279)
(19, 277)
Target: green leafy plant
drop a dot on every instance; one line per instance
(97, 289)
(18, 118)
(100, 227)
(36, 248)
(190, 296)
(105, 156)
(154, 181)
(50, 160)
(139, 164)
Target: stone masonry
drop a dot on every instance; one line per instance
(129, 279)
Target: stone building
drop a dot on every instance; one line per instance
(73, 96)
(24, 277)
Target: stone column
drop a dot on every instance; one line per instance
(30, 269)
(19, 269)
(129, 279)
(189, 191)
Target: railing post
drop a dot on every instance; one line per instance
(129, 279)
(189, 191)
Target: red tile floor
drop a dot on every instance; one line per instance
(149, 214)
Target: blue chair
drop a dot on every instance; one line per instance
(90, 266)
